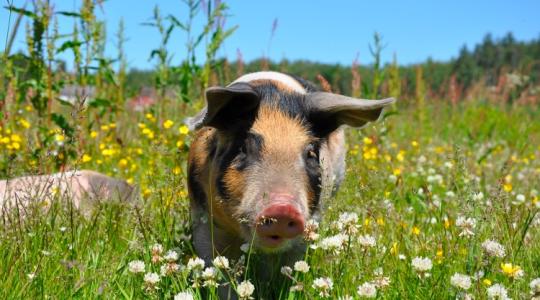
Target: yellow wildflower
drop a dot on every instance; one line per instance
(446, 223)
(86, 158)
(394, 249)
(24, 123)
(367, 141)
(59, 138)
(168, 124)
(486, 282)
(401, 155)
(123, 163)
(511, 270)
(416, 230)
(146, 192)
(183, 129)
(16, 138)
(93, 134)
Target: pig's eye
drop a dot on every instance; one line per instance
(248, 151)
(312, 153)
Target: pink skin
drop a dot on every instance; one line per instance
(279, 221)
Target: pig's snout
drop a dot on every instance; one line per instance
(278, 222)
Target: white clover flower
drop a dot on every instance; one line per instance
(136, 266)
(210, 276)
(520, 199)
(497, 291)
(301, 266)
(450, 194)
(478, 196)
(381, 282)
(195, 263)
(209, 273)
(334, 243)
(367, 241)
(31, 276)
(493, 248)
(367, 290)
(221, 262)
(171, 256)
(324, 285)
(402, 257)
(468, 297)
(286, 270)
(310, 230)
(183, 296)
(157, 249)
(151, 278)
(348, 223)
(245, 289)
(297, 288)
(467, 226)
(535, 289)
(461, 281)
(245, 247)
(169, 268)
(422, 264)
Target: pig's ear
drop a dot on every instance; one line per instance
(332, 110)
(226, 107)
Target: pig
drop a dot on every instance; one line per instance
(82, 188)
(268, 150)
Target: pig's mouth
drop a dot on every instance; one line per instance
(277, 228)
(272, 243)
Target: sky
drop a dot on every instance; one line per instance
(323, 31)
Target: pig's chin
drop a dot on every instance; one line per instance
(269, 245)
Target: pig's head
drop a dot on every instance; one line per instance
(268, 152)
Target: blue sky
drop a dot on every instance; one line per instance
(324, 31)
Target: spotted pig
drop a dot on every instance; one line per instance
(269, 149)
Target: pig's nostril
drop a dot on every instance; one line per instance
(291, 224)
(275, 237)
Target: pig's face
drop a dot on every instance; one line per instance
(267, 153)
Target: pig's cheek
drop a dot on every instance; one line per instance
(250, 203)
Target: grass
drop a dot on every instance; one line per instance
(409, 179)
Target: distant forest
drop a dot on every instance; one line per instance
(487, 64)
